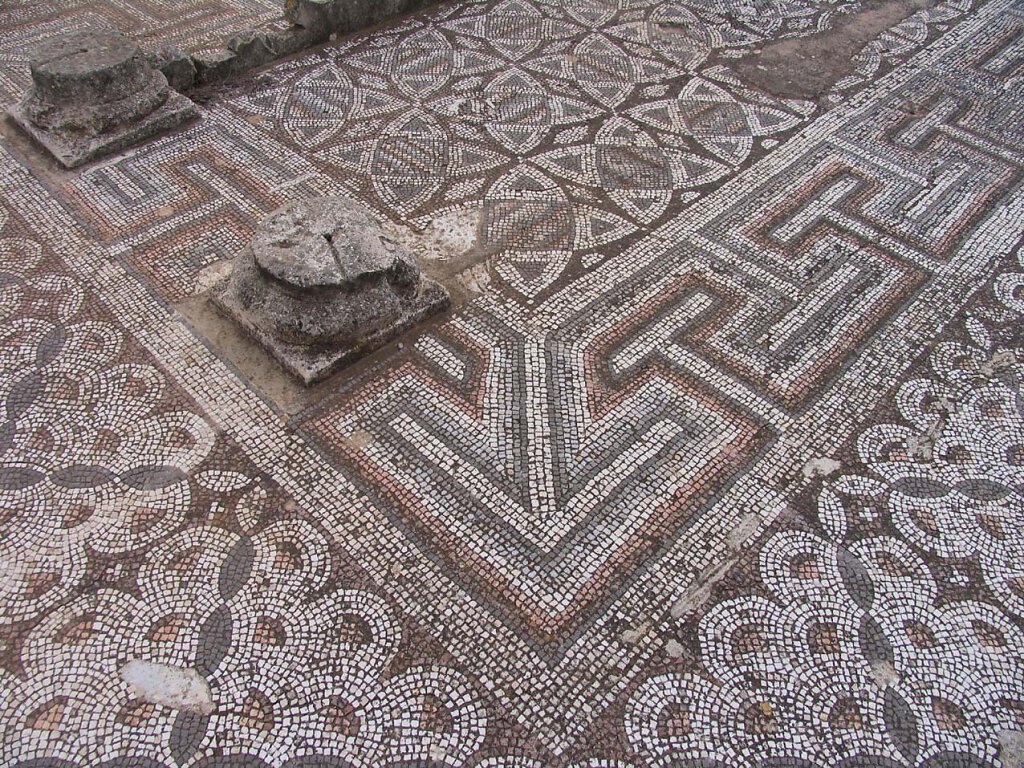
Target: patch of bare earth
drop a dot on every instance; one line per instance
(808, 67)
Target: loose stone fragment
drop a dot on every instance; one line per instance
(94, 93)
(169, 686)
(319, 16)
(821, 466)
(246, 50)
(674, 649)
(321, 284)
(176, 65)
(215, 64)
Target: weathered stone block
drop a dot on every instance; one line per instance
(246, 50)
(94, 93)
(176, 65)
(318, 15)
(296, 38)
(253, 49)
(321, 285)
(213, 65)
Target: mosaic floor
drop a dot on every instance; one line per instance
(722, 464)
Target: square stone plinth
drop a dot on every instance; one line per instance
(74, 152)
(312, 364)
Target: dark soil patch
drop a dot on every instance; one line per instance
(807, 67)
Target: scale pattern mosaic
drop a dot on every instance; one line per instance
(723, 469)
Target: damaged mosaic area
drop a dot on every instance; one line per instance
(718, 463)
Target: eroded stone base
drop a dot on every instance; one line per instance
(312, 364)
(73, 151)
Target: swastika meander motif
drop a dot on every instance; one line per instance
(582, 521)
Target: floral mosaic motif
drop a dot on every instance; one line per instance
(850, 656)
(455, 102)
(91, 459)
(417, 158)
(538, 225)
(295, 666)
(440, 112)
(632, 168)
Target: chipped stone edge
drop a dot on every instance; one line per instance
(176, 111)
(311, 365)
